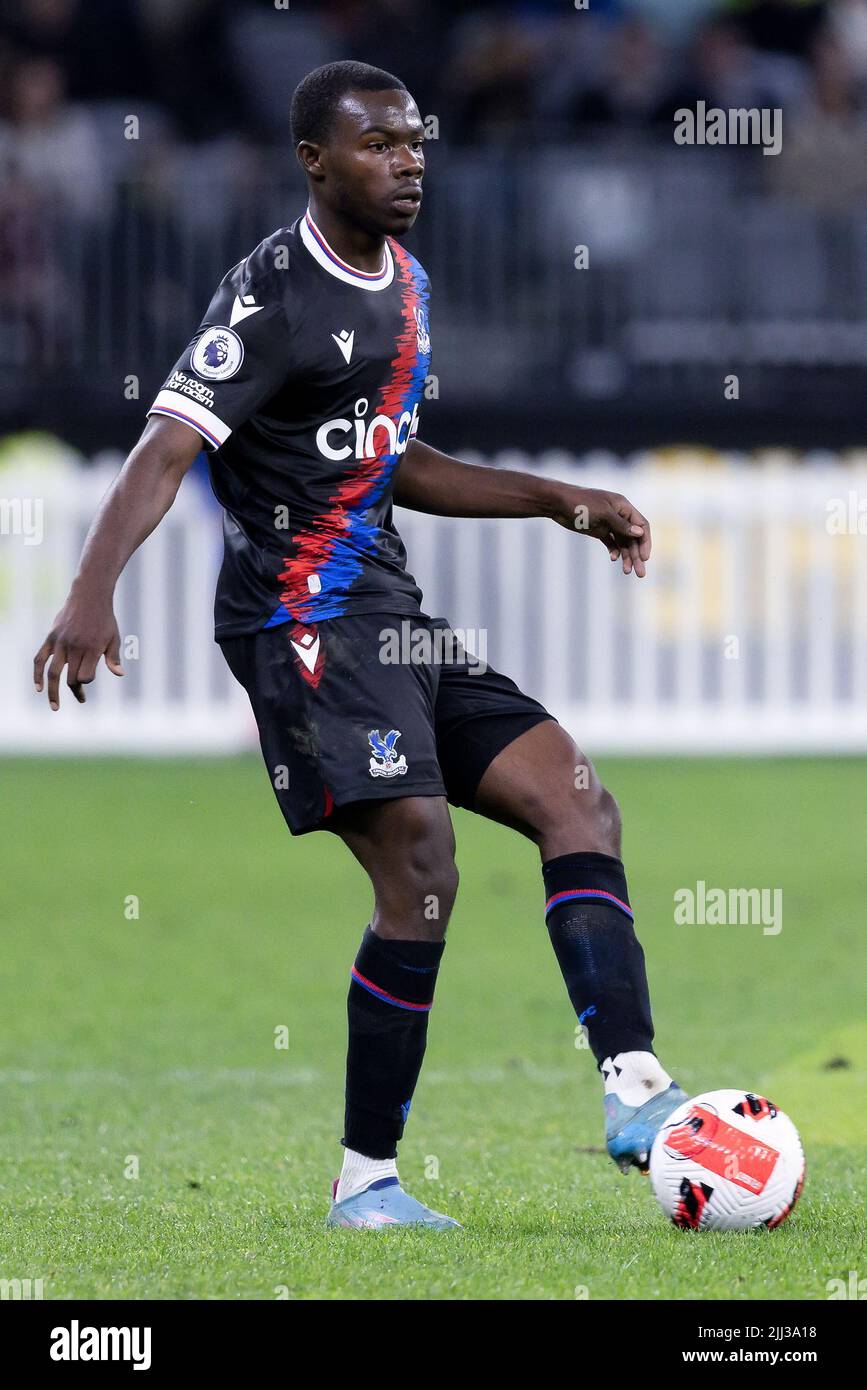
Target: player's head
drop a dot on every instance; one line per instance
(360, 139)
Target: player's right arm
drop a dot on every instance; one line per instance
(143, 491)
(236, 360)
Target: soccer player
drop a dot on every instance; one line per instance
(304, 380)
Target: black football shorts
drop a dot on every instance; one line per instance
(373, 706)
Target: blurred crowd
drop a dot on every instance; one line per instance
(504, 71)
(207, 84)
(216, 76)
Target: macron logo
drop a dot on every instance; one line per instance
(345, 341)
(308, 652)
(77, 1343)
(243, 308)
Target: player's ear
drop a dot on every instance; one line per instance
(309, 157)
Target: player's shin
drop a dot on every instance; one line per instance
(390, 996)
(590, 923)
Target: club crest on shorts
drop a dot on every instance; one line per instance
(384, 763)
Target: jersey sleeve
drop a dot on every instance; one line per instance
(235, 362)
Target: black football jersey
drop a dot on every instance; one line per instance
(304, 380)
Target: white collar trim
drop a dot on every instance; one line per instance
(340, 269)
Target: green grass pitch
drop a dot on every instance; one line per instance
(154, 1142)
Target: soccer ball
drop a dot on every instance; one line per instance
(727, 1161)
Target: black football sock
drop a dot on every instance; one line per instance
(590, 924)
(390, 996)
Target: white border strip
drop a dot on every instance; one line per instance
(347, 276)
(178, 407)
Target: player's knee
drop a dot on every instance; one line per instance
(595, 818)
(433, 877)
(585, 817)
(424, 859)
(607, 823)
(438, 890)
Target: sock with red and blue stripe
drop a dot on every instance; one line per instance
(591, 927)
(390, 996)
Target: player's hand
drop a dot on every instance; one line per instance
(612, 519)
(82, 632)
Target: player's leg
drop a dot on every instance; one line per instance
(542, 785)
(406, 846)
(329, 714)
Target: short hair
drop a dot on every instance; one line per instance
(315, 99)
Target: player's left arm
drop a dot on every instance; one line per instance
(428, 481)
